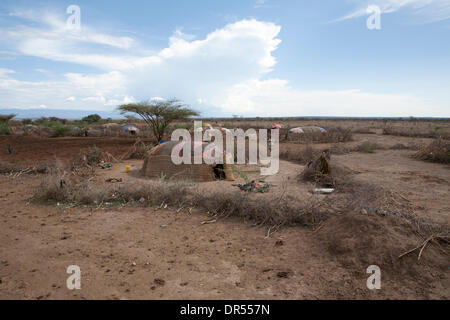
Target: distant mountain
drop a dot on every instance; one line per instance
(59, 113)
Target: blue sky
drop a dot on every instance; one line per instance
(246, 57)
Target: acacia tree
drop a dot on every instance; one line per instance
(5, 118)
(159, 114)
(4, 123)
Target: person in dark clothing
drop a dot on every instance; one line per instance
(10, 149)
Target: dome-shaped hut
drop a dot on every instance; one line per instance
(158, 163)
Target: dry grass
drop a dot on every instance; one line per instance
(300, 155)
(66, 187)
(11, 169)
(436, 151)
(53, 189)
(286, 210)
(363, 131)
(368, 147)
(416, 132)
(401, 146)
(332, 135)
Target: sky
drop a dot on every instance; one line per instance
(223, 58)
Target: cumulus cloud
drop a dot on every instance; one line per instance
(227, 72)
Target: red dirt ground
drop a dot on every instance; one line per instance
(28, 150)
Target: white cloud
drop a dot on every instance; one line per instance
(4, 72)
(427, 10)
(223, 72)
(55, 94)
(267, 96)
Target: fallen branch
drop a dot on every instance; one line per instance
(209, 221)
(422, 245)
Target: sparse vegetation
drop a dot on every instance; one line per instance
(367, 147)
(332, 135)
(300, 155)
(436, 151)
(436, 132)
(5, 128)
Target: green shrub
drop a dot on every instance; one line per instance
(92, 118)
(59, 130)
(367, 146)
(5, 128)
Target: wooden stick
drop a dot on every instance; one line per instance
(209, 221)
(412, 250)
(424, 245)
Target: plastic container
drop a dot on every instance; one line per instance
(324, 190)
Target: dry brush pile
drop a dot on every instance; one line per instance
(437, 151)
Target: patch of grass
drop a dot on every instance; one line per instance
(367, 147)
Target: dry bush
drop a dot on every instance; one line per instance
(286, 210)
(401, 146)
(363, 131)
(264, 211)
(340, 148)
(53, 188)
(301, 155)
(332, 135)
(351, 195)
(81, 192)
(153, 193)
(83, 163)
(12, 169)
(415, 132)
(436, 151)
(138, 151)
(323, 172)
(368, 147)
